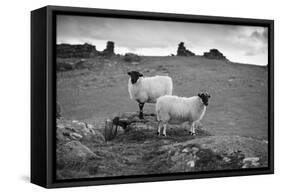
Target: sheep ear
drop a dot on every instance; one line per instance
(141, 75)
(129, 73)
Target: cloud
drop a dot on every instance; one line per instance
(260, 36)
(250, 53)
(259, 40)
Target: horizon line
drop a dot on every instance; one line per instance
(167, 55)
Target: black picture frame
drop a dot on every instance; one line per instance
(43, 94)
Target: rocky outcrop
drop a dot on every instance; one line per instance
(182, 51)
(83, 51)
(109, 50)
(217, 153)
(214, 54)
(74, 140)
(76, 51)
(131, 57)
(68, 130)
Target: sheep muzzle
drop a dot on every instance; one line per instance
(134, 76)
(205, 97)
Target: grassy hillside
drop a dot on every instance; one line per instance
(234, 133)
(238, 104)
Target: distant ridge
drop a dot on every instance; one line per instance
(87, 50)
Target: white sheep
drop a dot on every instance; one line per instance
(148, 89)
(177, 110)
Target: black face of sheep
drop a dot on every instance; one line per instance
(134, 76)
(205, 97)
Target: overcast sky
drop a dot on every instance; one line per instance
(243, 44)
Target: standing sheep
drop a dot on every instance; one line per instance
(148, 89)
(177, 110)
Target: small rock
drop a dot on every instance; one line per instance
(195, 149)
(60, 126)
(67, 134)
(191, 163)
(251, 159)
(90, 126)
(143, 126)
(226, 159)
(164, 141)
(248, 165)
(251, 162)
(135, 63)
(131, 57)
(76, 136)
(185, 150)
(256, 164)
(81, 124)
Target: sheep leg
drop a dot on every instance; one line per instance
(164, 130)
(159, 128)
(194, 133)
(192, 129)
(141, 110)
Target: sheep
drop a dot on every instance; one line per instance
(177, 110)
(148, 89)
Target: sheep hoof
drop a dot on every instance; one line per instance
(141, 117)
(191, 133)
(164, 135)
(158, 133)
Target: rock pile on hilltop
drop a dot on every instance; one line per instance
(214, 54)
(182, 51)
(109, 50)
(83, 50)
(131, 57)
(76, 51)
